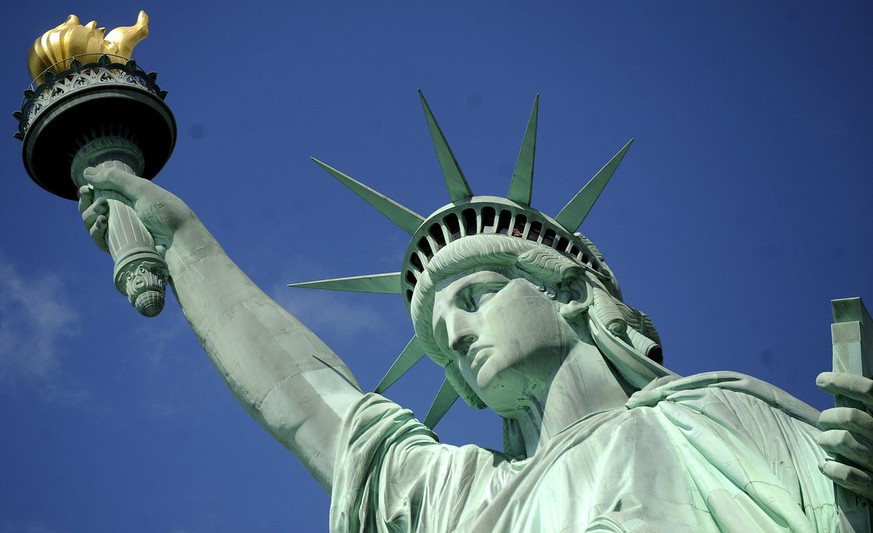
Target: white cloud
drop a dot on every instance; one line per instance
(34, 319)
(327, 310)
(162, 335)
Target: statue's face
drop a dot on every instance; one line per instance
(506, 336)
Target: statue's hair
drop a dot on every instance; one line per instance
(541, 264)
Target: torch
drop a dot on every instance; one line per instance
(90, 104)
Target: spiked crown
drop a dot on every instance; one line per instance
(469, 215)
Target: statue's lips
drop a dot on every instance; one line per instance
(479, 355)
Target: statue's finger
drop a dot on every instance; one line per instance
(854, 420)
(116, 179)
(849, 385)
(86, 197)
(848, 477)
(846, 445)
(98, 232)
(91, 212)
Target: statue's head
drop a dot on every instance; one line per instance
(546, 285)
(501, 313)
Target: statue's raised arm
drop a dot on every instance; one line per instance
(527, 319)
(281, 373)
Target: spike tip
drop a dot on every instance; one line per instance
(405, 218)
(574, 213)
(459, 190)
(521, 187)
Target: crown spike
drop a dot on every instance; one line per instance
(521, 187)
(405, 218)
(445, 397)
(574, 213)
(410, 355)
(459, 190)
(374, 283)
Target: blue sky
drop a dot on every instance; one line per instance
(741, 210)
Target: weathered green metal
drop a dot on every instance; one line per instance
(456, 183)
(574, 213)
(469, 215)
(521, 186)
(404, 217)
(538, 336)
(388, 283)
(410, 355)
(852, 334)
(445, 398)
(140, 272)
(70, 108)
(111, 114)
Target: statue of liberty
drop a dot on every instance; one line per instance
(520, 310)
(527, 319)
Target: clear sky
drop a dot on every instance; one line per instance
(742, 208)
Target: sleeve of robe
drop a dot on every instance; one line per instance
(752, 450)
(392, 474)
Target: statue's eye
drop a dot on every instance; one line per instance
(478, 295)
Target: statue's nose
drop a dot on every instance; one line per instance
(462, 345)
(461, 332)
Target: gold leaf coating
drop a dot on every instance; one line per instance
(57, 47)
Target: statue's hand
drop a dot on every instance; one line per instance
(848, 433)
(94, 215)
(162, 213)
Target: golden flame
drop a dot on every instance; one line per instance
(59, 45)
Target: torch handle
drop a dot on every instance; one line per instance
(140, 272)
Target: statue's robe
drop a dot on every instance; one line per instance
(710, 452)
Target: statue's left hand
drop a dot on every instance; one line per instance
(848, 433)
(163, 213)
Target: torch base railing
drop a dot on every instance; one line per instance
(107, 112)
(86, 102)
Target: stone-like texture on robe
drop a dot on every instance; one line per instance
(710, 452)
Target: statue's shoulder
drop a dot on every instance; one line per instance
(726, 384)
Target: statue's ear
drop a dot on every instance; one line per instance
(572, 309)
(574, 296)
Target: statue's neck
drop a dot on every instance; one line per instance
(584, 384)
